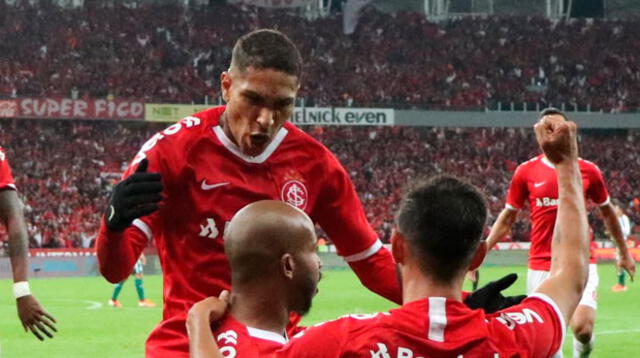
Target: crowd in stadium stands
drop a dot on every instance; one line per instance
(166, 53)
(65, 172)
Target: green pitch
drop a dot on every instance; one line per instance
(90, 328)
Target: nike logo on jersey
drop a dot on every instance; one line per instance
(205, 186)
(537, 185)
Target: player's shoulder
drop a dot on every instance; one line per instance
(536, 324)
(196, 124)
(588, 166)
(347, 325)
(536, 311)
(303, 142)
(3, 154)
(529, 165)
(244, 341)
(186, 131)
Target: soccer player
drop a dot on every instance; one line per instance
(33, 317)
(208, 166)
(535, 181)
(138, 270)
(625, 226)
(271, 247)
(438, 239)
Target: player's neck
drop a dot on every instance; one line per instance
(259, 308)
(226, 129)
(417, 286)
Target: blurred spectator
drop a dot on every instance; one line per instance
(167, 53)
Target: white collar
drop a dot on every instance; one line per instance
(547, 162)
(267, 335)
(259, 159)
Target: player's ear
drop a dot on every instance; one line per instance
(398, 247)
(287, 265)
(225, 85)
(479, 256)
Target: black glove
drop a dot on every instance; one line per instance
(138, 195)
(490, 298)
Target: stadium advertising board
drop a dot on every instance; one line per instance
(343, 116)
(273, 3)
(156, 112)
(65, 108)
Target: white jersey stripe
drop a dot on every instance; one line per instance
(366, 253)
(437, 318)
(606, 202)
(511, 207)
(144, 228)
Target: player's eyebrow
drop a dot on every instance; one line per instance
(276, 101)
(284, 101)
(253, 95)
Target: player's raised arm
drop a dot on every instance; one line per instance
(118, 244)
(570, 248)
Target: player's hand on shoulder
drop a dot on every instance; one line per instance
(490, 298)
(34, 318)
(557, 139)
(136, 196)
(209, 309)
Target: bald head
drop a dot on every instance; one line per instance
(260, 234)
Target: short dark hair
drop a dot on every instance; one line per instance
(267, 49)
(442, 219)
(551, 111)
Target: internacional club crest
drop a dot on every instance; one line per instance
(295, 193)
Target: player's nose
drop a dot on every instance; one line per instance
(265, 118)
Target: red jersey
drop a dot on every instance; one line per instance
(437, 327)
(207, 179)
(237, 340)
(536, 181)
(6, 179)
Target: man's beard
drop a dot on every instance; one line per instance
(308, 288)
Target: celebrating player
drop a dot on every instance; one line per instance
(271, 247)
(33, 317)
(440, 225)
(535, 181)
(208, 166)
(138, 270)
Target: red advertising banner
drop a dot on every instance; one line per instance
(61, 252)
(73, 252)
(8, 108)
(65, 108)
